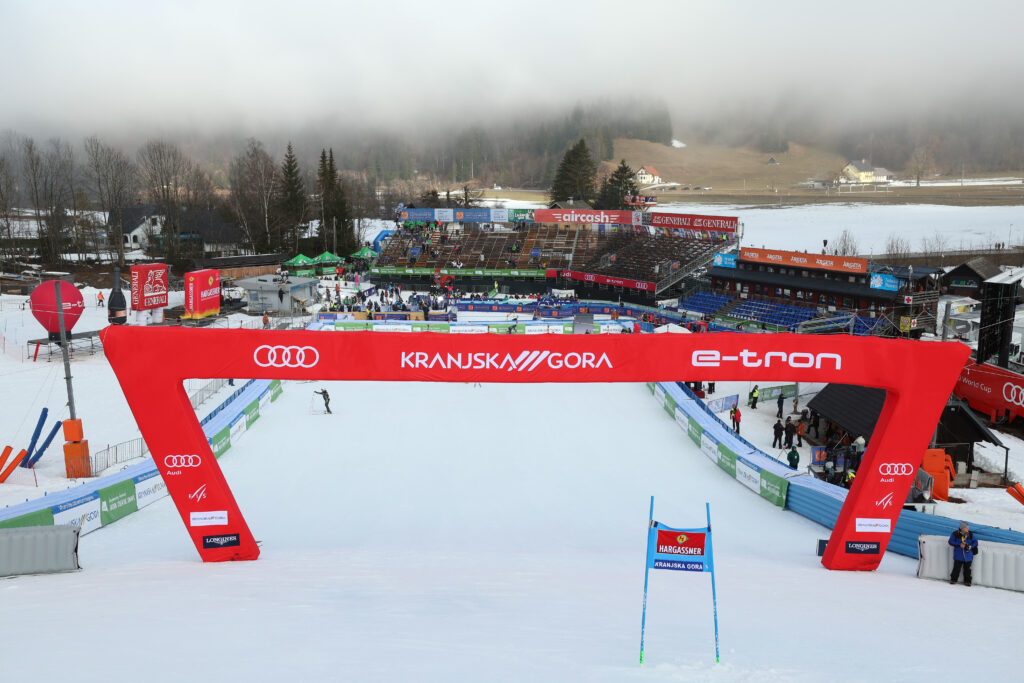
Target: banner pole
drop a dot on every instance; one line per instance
(647, 570)
(714, 595)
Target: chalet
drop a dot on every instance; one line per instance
(143, 229)
(966, 279)
(858, 172)
(647, 175)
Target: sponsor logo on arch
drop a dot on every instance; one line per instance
(526, 361)
(1013, 393)
(267, 356)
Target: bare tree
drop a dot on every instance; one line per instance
(162, 169)
(921, 162)
(897, 249)
(8, 205)
(115, 180)
(48, 177)
(935, 246)
(846, 245)
(254, 179)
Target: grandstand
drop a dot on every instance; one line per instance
(649, 257)
(782, 315)
(705, 302)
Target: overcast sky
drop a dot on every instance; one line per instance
(111, 66)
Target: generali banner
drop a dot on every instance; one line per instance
(586, 216)
(607, 280)
(798, 259)
(694, 221)
(202, 293)
(149, 286)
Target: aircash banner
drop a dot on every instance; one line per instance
(590, 216)
(152, 362)
(202, 293)
(149, 286)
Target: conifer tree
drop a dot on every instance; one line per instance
(291, 200)
(617, 188)
(576, 175)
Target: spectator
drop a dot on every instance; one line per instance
(778, 428)
(790, 429)
(816, 423)
(781, 401)
(732, 417)
(737, 418)
(965, 547)
(754, 393)
(794, 458)
(801, 429)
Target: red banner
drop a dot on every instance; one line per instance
(586, 216)
(202, 293)
(694, 222)
(679, 543)
(151, 363)
(992, 390)
(799, 259)
(608, 280)
(149, 286)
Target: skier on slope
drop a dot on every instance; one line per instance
(327, 400)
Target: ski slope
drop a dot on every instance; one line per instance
(446, 532)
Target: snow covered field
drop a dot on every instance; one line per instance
(446, 533)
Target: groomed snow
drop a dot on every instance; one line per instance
(445, 532)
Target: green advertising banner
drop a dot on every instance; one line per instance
(221, 442)
(774, 488)
(117, 501)
(430, 327)
(670, 405)
(252, 413)
(650, 385)
(772, 393)
(694, 430)
(275, 389)
(520, 215)
(727, 460)
(38, 518)
(361, 326)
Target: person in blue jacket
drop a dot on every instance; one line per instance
(965, 546)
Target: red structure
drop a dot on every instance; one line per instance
(151, 363)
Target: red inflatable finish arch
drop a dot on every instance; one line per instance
(151, 364)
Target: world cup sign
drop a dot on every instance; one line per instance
(151, 364)
(202, 293)
(149, 286)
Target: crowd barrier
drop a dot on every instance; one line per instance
(107, 499)
(800, 492)
(999, 565)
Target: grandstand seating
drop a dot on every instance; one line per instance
(704, 302)
(783, 315)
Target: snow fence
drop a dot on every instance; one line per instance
(107, 499)
(999, 565)
(800, 492)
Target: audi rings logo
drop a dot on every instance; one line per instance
(182, 461)
(895, 469)
(285, 356)
(1013, 394)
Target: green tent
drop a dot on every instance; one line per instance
(365, 252)
(327, 257)
(300, 260)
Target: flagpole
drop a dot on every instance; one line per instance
(714, 595)
(647, 570)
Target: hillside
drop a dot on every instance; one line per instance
(728, 168)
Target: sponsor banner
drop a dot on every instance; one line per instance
(669, 405)
(149, 488)
(694, 430)
(727, 460)
(864, 547)
(881, 525)
(536, 329)
(383, 326)
(659, 393)
(252, 413)
(221, 541)
(679, 549)
(694, 221)
(606, 280)
(426, 215)
(991, 389)
(725, 260)
(149, 286)
(679, 565)
(468, 329)
(499, 215)
(748, 474)
(682, 419)
(444, 215)
(720, 405)
(221, 442)
(473, 215)
(210, 518)
(42, 517)
(589, 216)
(709, 445)
(202, 293)
(275, 389)
(774, 488)
(678, 543)
(771, 393)
(799, 259)
(884, 281)
(264, 399)
(237, 425)
(82, 512)
(515, 215)
(116, 501)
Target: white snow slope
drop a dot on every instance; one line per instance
(443, 532)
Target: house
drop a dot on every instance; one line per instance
(647, 175)
(966, 279)
(578, 204)
(143, 227)
(883, 175)
(859, 172)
